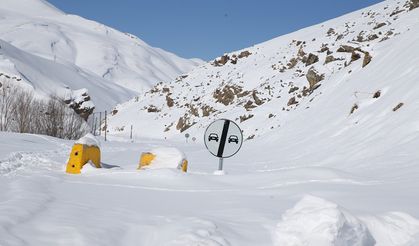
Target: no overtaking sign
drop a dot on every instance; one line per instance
(223, 139)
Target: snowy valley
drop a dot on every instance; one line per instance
(329, 115)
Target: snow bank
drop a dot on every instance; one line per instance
(317, 222)
(89, 140)
(166, 157)
(394, 229)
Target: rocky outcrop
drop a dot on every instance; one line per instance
(292, 101)
(413, 4)
(153, 109)
(346, 49)
(330, 59)
(169, 101)
(227, 94)
(81, 103)
(245, 117)
(244, 54)
(233, 59)
(367, 59)
(184, 123)
(312, 58)
(313, 77)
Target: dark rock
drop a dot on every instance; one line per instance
(245, 117)
(367, 59)
(346, 49)
(372, 37)
(413, 4)
(292, 101)
(355, 107)
(293, 89)
(292, 63)
(169, 101)
(377, 94)
(227, 94)
(244, 54)
(355, 56)
(313, 77)
(184, 123)
(152, 109)
(379, 25)
(330, 32)
(207, 110)
(301, 52)
(257, 100)
(398, 107)
(222, 61)
(312, 58)
(330, 59)
(249, 105)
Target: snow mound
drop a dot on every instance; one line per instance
(317, 222)
(88, 140)
(195, 231)
(394, 229)
(166, 157)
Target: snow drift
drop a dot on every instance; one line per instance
(314, 222)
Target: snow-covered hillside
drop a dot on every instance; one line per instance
(364, 62)
(56, 53)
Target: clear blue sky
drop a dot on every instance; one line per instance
(208, 28)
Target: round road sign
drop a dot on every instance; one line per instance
(223, 138)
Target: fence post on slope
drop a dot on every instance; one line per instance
(100, 123)
(106, 125)
(94, 124)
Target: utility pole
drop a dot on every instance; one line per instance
(130, 136)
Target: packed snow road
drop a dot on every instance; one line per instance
(263, 199)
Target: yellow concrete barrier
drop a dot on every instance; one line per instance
(184, 166)
(160, 159)
(146, 159)
(80, 155)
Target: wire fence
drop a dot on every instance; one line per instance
(98, 124)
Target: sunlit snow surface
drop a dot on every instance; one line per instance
(264, 199)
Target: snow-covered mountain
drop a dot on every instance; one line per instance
(364, 62)
(333, 113)
(56, 53)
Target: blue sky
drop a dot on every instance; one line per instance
(208, 28)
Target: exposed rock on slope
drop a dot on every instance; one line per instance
(282, 76)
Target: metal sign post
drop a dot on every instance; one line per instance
(220, 164)
(223, 139)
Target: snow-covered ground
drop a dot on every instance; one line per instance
(267, 197)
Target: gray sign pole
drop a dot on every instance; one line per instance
(220, 164)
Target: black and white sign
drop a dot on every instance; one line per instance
(223, 138)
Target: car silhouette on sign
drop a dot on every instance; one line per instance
(213, 136)
(233, 139)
